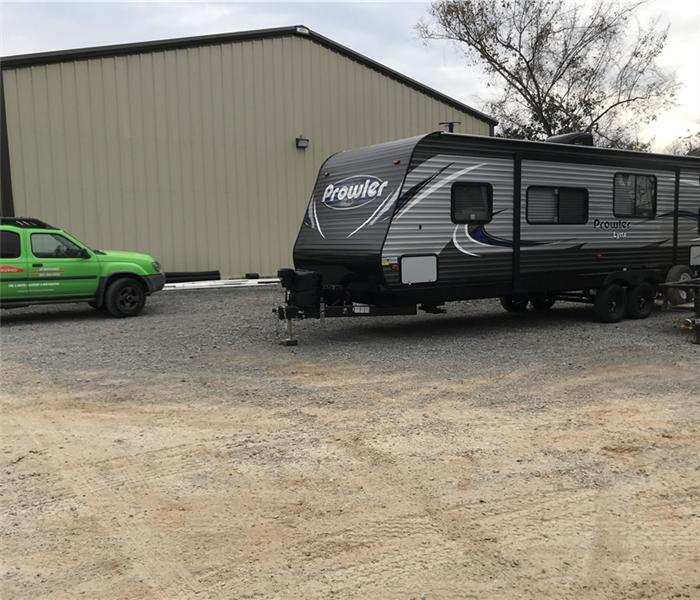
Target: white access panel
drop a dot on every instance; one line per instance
(418, 269)
(695, 256)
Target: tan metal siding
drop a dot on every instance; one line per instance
(189, 154)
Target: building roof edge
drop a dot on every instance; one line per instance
(57, 56)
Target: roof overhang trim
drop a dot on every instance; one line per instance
(44, 58)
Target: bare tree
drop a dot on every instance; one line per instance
(561, 65)
(687, 145)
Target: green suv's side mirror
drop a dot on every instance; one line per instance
(84, 253)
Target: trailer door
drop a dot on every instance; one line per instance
(555, 203)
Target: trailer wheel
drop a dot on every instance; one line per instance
(679, 295)
(514, 303)
(543, 302)
(640, 300)
(610, 303)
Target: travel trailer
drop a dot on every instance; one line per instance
(446, 217)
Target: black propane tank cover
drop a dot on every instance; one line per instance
(306, 289)
(286, 276)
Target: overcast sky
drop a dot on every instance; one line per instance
(383, 31)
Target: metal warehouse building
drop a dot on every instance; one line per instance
(188, 149)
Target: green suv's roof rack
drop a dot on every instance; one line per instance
(25, 222)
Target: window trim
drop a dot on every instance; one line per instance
(655, 198)
(555, 187)
(489, 200)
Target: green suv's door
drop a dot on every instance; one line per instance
(60, 268)
(13, 266)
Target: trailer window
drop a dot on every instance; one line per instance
(634, 195)
(567, 206)
(472, 203)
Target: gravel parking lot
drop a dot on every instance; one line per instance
(476, 454)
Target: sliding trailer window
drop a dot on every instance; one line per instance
(472, 203)
(546, 205)
(634, 195)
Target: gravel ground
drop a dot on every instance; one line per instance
(183, 333)
(474, 454)
(181, 330)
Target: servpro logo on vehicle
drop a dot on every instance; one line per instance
(9, 269)
(353, 192)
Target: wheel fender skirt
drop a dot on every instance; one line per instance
(634, 277)
(100, 293)
(153, 283)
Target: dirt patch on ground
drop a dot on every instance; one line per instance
(359, 484)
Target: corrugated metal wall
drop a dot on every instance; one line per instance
(189, 154)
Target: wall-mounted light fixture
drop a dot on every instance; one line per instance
(302, 143)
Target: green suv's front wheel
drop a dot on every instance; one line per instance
(125, 298)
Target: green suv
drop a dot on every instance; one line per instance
(40, 264)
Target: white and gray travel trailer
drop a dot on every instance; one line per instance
(445, 217)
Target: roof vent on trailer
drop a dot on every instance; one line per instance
(577, 138)
(450, 125)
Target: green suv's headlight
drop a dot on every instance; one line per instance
(156, 265)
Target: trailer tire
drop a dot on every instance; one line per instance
(679, 295)
(610, 303)
(514, 303)
(640, 300)
(543, 302)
